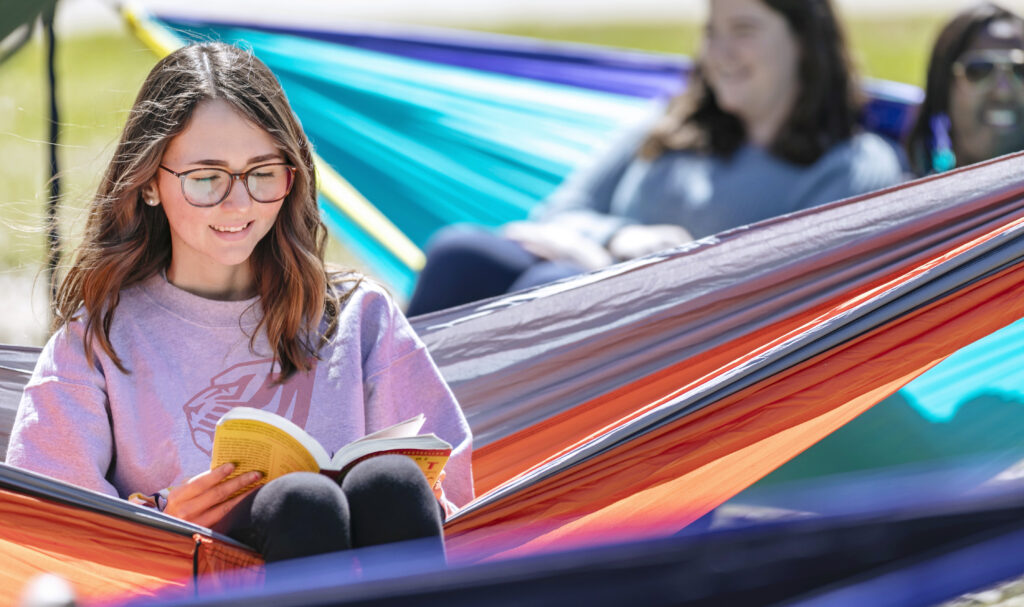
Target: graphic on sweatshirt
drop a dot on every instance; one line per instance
(248, 384)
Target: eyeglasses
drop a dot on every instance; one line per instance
(981, 68)
(208, 187)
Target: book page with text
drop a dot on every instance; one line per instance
(257, 445)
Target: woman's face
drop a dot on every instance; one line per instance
(751, 59)
(210, 247)
(986, 101)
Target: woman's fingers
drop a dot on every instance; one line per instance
(179, 498)
(438, 491)
(212, 516)
(207, 492)
(200, 483)
(222, 492)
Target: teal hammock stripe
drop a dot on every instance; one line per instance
(993, 366)
(431, 145)
(966, 411)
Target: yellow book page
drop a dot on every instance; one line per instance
(430, 464)
(430, 461)
(255, 445)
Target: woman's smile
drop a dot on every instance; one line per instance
(232, 230)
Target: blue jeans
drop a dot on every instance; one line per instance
(466, 264)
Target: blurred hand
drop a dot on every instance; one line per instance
(205, 498)
(630, 242)
(438, 491)
(556, 243)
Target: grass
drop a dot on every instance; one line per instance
(99, 75)
(890, 49)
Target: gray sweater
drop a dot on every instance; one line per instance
(190, 362)
(709, 194)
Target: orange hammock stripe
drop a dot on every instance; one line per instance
(105, 557)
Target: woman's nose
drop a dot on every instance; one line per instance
(720, 47)
(238, 195)
(1006, 82)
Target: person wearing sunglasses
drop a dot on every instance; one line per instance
(200, 286)
(973, 108)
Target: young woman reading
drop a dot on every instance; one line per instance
(200, 286)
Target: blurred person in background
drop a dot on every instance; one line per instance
(767, 126)
(973, 108)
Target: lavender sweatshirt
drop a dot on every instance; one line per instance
(190, 361)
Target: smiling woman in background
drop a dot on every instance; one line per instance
(974, 98)
(767, 126)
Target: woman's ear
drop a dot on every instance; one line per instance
(150, 193)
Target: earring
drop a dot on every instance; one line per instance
(943, 158)
(152, 202)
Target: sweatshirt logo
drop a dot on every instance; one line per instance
(248, 384)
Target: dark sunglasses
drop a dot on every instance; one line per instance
(981, 68)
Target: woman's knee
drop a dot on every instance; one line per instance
(300, 493)
(282, 511)
(386, 477)
(466, 264)
(456, 240)
(390, 500)
(545, 272)
(474, 248)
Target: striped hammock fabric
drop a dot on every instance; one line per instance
(614, 409)
(754, 345)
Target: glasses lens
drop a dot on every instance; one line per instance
(977, 70)
(1018, 70)
(206, 186)
(269, 183)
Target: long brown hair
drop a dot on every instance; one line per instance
(826, 110)
(951, 42)
(127, 241)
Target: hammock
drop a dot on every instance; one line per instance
(754, 344)
(677, 380)
(698, 373)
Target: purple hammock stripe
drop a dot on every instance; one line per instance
(889, 109)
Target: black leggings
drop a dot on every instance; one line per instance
(381, 500)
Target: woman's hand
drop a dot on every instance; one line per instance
(449, 507)
(205, 498)
(438, 491)
(634, 241)
(557, 243)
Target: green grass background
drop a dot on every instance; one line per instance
(99, 74)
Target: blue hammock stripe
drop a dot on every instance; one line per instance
(614, 70)
(889, 105)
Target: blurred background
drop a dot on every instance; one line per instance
(100, 66)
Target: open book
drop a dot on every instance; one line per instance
(254, 439)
